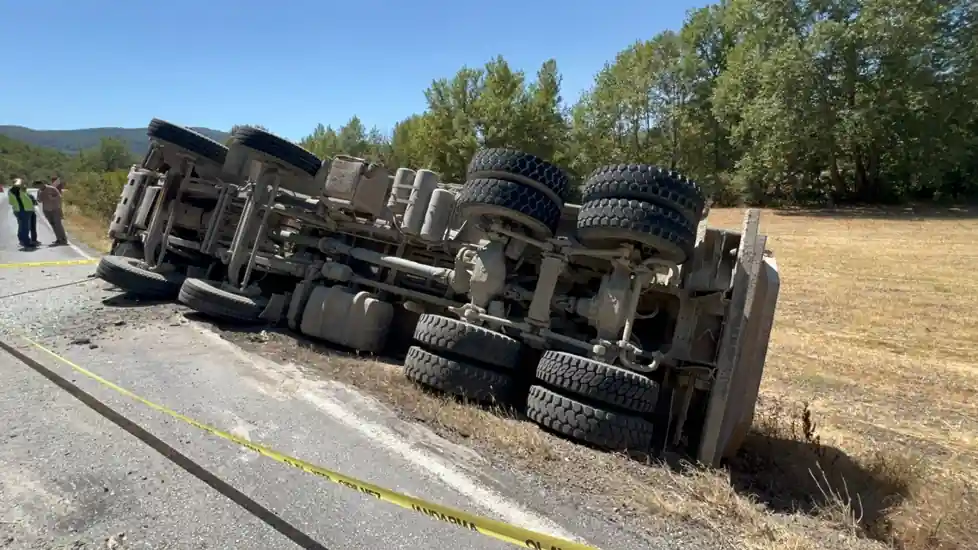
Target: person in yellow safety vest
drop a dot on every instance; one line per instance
(22, 204)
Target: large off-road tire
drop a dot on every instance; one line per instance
(482, 200)
(187, 139)
(131, 275)
(457, 339)
(282, 149)
(646, 183)
(458, 378)
(606, 223)
(207, 298)
(597, 382)
(597, 426)
(520, 167)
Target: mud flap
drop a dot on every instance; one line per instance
(276, 308)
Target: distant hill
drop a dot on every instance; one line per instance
(20, 160)
(73, 141)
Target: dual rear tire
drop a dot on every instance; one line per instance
(517, 188)
(654, 209)
(464, 360)
(593, 402)
(577, 397)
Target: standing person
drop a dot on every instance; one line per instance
(33, 226)
(22, 204)
(50, 197)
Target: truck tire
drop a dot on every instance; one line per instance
(187, 139)
(282, 149)
(204, 297)
(519, 167)
(483, 199)
(598, 382)
(457, 339)
(606, 223)
(576, 420)
(458, 378)
(131, 275)
(647, 183)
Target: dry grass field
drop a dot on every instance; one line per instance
(867, 429)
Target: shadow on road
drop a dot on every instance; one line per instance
(129, 300)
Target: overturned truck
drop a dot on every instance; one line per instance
(174, 211)
(624, 322)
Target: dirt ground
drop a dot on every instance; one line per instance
(92, 233)
(867, 430)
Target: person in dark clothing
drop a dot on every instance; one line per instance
(49, 196)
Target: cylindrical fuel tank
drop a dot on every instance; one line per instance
(425, 183)
(439, 214)
(346, 317)
(401, 190)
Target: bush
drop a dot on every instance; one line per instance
(95, 195)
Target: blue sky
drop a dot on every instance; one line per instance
(287, 64)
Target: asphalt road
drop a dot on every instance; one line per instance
(70, 478)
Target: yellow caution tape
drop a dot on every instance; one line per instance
(463, 520)
(52, 263)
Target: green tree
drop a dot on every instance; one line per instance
(448, 138)
(379, 146)
(636, 109)
(353, 138)
(111, 155)
(19, 160)
(406, 143)
(323, 141)
(546, 120)
(709, 157)
(499, 107)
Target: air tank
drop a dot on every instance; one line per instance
(439, 214)
(425, 183)
(401, 190)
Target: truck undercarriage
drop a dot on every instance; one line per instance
(624, 322)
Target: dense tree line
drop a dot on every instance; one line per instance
(20, 160)
(772, 101)
(94, 177)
